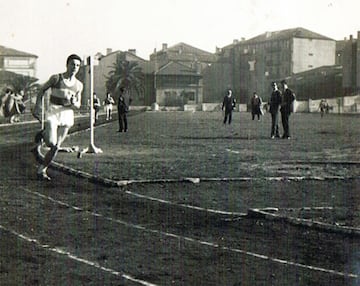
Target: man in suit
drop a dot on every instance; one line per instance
(274, 104)
(287, 103)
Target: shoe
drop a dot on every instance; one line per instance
(273, 137)
(39, 136)
(119, 130)
(43, 177)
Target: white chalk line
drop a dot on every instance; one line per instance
(185, 205)
(76, 258)
(87, 175)
(193, 240)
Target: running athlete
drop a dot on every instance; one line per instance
(64, 98)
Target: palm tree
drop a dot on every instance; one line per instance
(125, 74)
(25, 84)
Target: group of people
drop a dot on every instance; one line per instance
(285, 101)
(12, 105)
(282, 101)
(65, 97)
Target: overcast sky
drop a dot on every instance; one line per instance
(53, 29)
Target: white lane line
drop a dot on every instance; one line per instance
(185, 205)
(205, 243)
(77, 258)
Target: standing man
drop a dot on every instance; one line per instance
(287, 106)
(109, 101)
(96, 106)
(122, 111)
(65, 97)
(229, 104)
(256, 103)
(274, 104)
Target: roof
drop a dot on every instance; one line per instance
(185, 52)
(281, 35)
(288, 34)
(5, 51)
(175, 68)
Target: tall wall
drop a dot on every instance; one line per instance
(312, 53)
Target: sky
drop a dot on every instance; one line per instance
(54, 29)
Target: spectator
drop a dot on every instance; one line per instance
(287, 107)
(256, 106)
(108, 103)
(122, 111)
(96, 106)
(274, 103)
(229, 104)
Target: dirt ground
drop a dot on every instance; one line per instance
(165, 229)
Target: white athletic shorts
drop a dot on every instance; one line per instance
(60, 115)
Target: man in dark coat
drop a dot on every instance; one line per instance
(122, 111)
(229, 104)
(274, 104)
(256, 103)
(287, 104)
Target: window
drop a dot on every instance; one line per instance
(17, 63)
(311, 54)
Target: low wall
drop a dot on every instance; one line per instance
(347, 104)
(211, 106)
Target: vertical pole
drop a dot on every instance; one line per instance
(91, 82)
(92, 148)
(42, 112)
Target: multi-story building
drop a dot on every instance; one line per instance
(179, 74)
(104, 64)
(19, 62)
(273, 56)
(172, 77)
(351, 64)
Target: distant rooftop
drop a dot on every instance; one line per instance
(289, 33)
(5, 51)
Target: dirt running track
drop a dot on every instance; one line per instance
(72, 232)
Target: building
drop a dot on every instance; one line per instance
(350, 54)
(176, 84)
(18, 62)
(273, 56)
(179, 74)
(339, 80)
(103, 64)
(172, 77)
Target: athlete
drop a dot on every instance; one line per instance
(64, 98)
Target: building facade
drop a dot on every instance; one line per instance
(18, 62)
(172, 77)
(179, 73)
(273, 56)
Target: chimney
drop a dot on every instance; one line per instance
(108, 51)
(235, 41)
(164, 47)
(132, 51)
